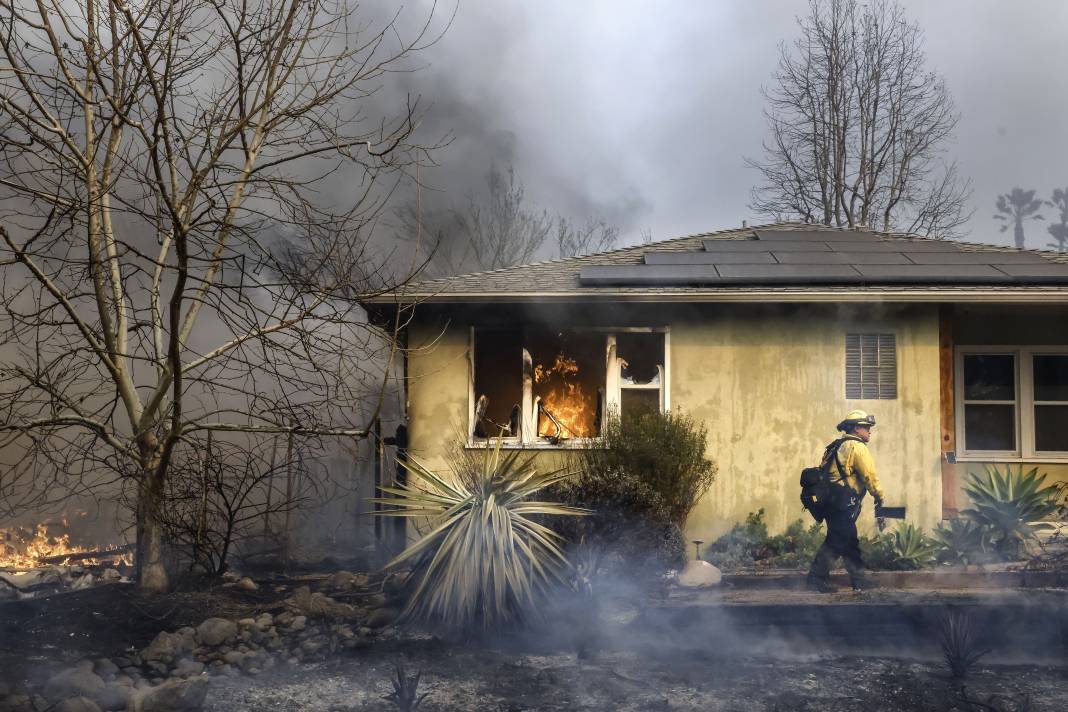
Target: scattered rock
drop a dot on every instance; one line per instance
(246, 584)
(317, 605)
(105, 668)
(167, 647)
(216, 631)
(173, 696)
(264, 622)
(382, 617)
(188, 668)
(698, 574)
(79, 681)
(298, 624)
(111, 576)
(77, 704)
(114, 697)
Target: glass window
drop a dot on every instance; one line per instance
(989, 377)
(1051, 377)
(990, 402)
(990, 427)
(498, 383)
(1050, 372)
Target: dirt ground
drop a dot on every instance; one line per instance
(627, 673)
(494, 680)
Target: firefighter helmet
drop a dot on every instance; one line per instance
(855, 418)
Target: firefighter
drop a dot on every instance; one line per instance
(853, 471)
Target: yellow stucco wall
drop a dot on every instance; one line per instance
(769, 383)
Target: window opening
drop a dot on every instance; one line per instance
(1050, 378)
(640, 361)
(568, 383)
(498, 383)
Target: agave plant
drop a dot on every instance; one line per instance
(485, 562)
(1012, 504)
(912, 549)
(962, 541)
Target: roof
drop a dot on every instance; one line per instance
(783, 261)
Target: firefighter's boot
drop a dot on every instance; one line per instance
(814, 583)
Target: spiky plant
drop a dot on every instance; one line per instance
(485, 562)
(912, 549)
(405, 693)
(962, 541)
(960, 643)
(1012, 504)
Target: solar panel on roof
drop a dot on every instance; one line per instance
(1058, 271)
(757, 246)
(817, 235)
(708, 258)
(786, 273)
(932, 273)
(976, 258)
(896, 246)
(841, 258)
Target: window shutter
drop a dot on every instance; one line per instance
(871, 366)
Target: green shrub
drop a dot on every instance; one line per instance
(748, 543)
(485, 563)
(1011, 504)
(907, 548)
(640, 485)
(962, 542)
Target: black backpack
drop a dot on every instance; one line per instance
(819, 495)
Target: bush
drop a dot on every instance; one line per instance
(641, 484)
(962, 542)
(905, 549)
(485, 563)
(1011, 505)
(748, 543)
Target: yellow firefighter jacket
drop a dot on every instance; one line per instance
(858, 468)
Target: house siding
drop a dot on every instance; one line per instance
(767, 380)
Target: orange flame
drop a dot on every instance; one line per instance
(564, 397)
(28, 548)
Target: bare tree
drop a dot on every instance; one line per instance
(1059, 230)
(858, 126)
(152, 157)
(495, 229)
(1014, 208)
(594, 236)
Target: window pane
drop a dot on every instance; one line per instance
(569, 379)
(643, 355)
(990, 427)
(989, 377)
(1051, 428)
(1051, 377)
(633, 401)
(498, 380)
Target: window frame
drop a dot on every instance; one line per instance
(1024, 404)
(871, 331)
(528, 438)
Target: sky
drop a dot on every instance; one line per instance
(643, 113)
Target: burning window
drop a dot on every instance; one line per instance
(568, 383)
(550, 385)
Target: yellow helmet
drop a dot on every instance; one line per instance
(855, 418)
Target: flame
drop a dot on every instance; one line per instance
(29, 547)
(565, 398)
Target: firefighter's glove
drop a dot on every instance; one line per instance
(881, 523)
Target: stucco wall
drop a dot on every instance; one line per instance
(769, 383)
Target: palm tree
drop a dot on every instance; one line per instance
(1017, 206)
(1059, 230)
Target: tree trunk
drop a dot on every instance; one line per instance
(152, 573)
(1018, 233)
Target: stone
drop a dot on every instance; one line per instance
(77, 704)
(699, 574)
(79, 681)
(188, 668)
(304, 602)
(216, 631)
(173, 695)
(246, 584)
(110, 576)
(114, 697)
(246, 623)
(298, 623)
(167, 647)
(394, 583)
(382, 617)
(234, 657)
(264, 622)
(105, 668)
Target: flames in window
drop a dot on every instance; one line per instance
(567, 407)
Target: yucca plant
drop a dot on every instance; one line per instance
(912, 549)
(960, 642)
(962, 541)
(485, 562)
(1012, 504)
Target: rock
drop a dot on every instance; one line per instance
(83, 582)
(316, 605)
(264, 622)
(110, 576)
(167, 647)
(77, 704)
(173, 696)
(188, 668)
(382, 617)
(114, 697)
(246, 584)
(105, 668)
(376, 601)
(698, 574)
(234, 657)
(394, 583)
(216, 631)
(79, 681)
(298, 624)
(246, 623)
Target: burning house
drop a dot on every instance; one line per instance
(767, 335)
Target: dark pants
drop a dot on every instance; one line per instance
(841, 541)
